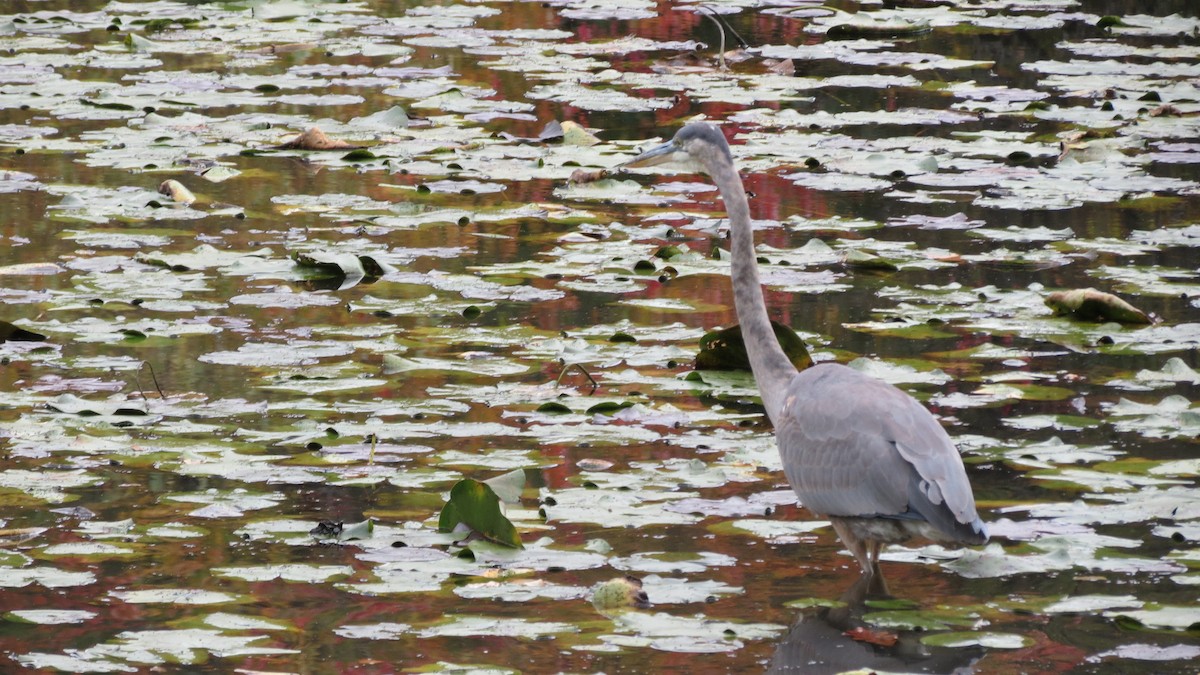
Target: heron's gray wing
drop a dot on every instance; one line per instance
(853, 445)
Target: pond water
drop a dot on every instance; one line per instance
(922, 174)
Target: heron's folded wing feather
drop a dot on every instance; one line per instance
(856, 446)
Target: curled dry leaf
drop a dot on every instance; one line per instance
(315, 139)
(737, 56)
(579, 176)
(1093, 305)
(594, 464)
(944, 257)
(176, 191)
(783, 67)
(1166, 110)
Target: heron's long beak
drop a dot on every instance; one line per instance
(660, 154)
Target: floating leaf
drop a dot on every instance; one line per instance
(988, 640)
(50, 617)
(508, 486)
(1174, 370)
(476, 505)
(1176, 617)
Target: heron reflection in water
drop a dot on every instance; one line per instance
(840, 639)
(856, 450)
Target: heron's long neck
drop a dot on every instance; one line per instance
(772, 369)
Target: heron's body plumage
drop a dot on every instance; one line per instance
(856, 447)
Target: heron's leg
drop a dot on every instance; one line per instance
(876, 546)
(857, 547)
(878, 585)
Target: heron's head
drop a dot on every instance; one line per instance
(695, 146)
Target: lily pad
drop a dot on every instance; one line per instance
(476, 505)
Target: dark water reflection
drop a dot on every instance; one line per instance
(132, 484)
(831, 640)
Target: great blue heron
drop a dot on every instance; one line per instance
(856, 450)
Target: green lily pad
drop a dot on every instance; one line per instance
(476, 505)
(984, 639)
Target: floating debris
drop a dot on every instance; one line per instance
(1090, 304)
